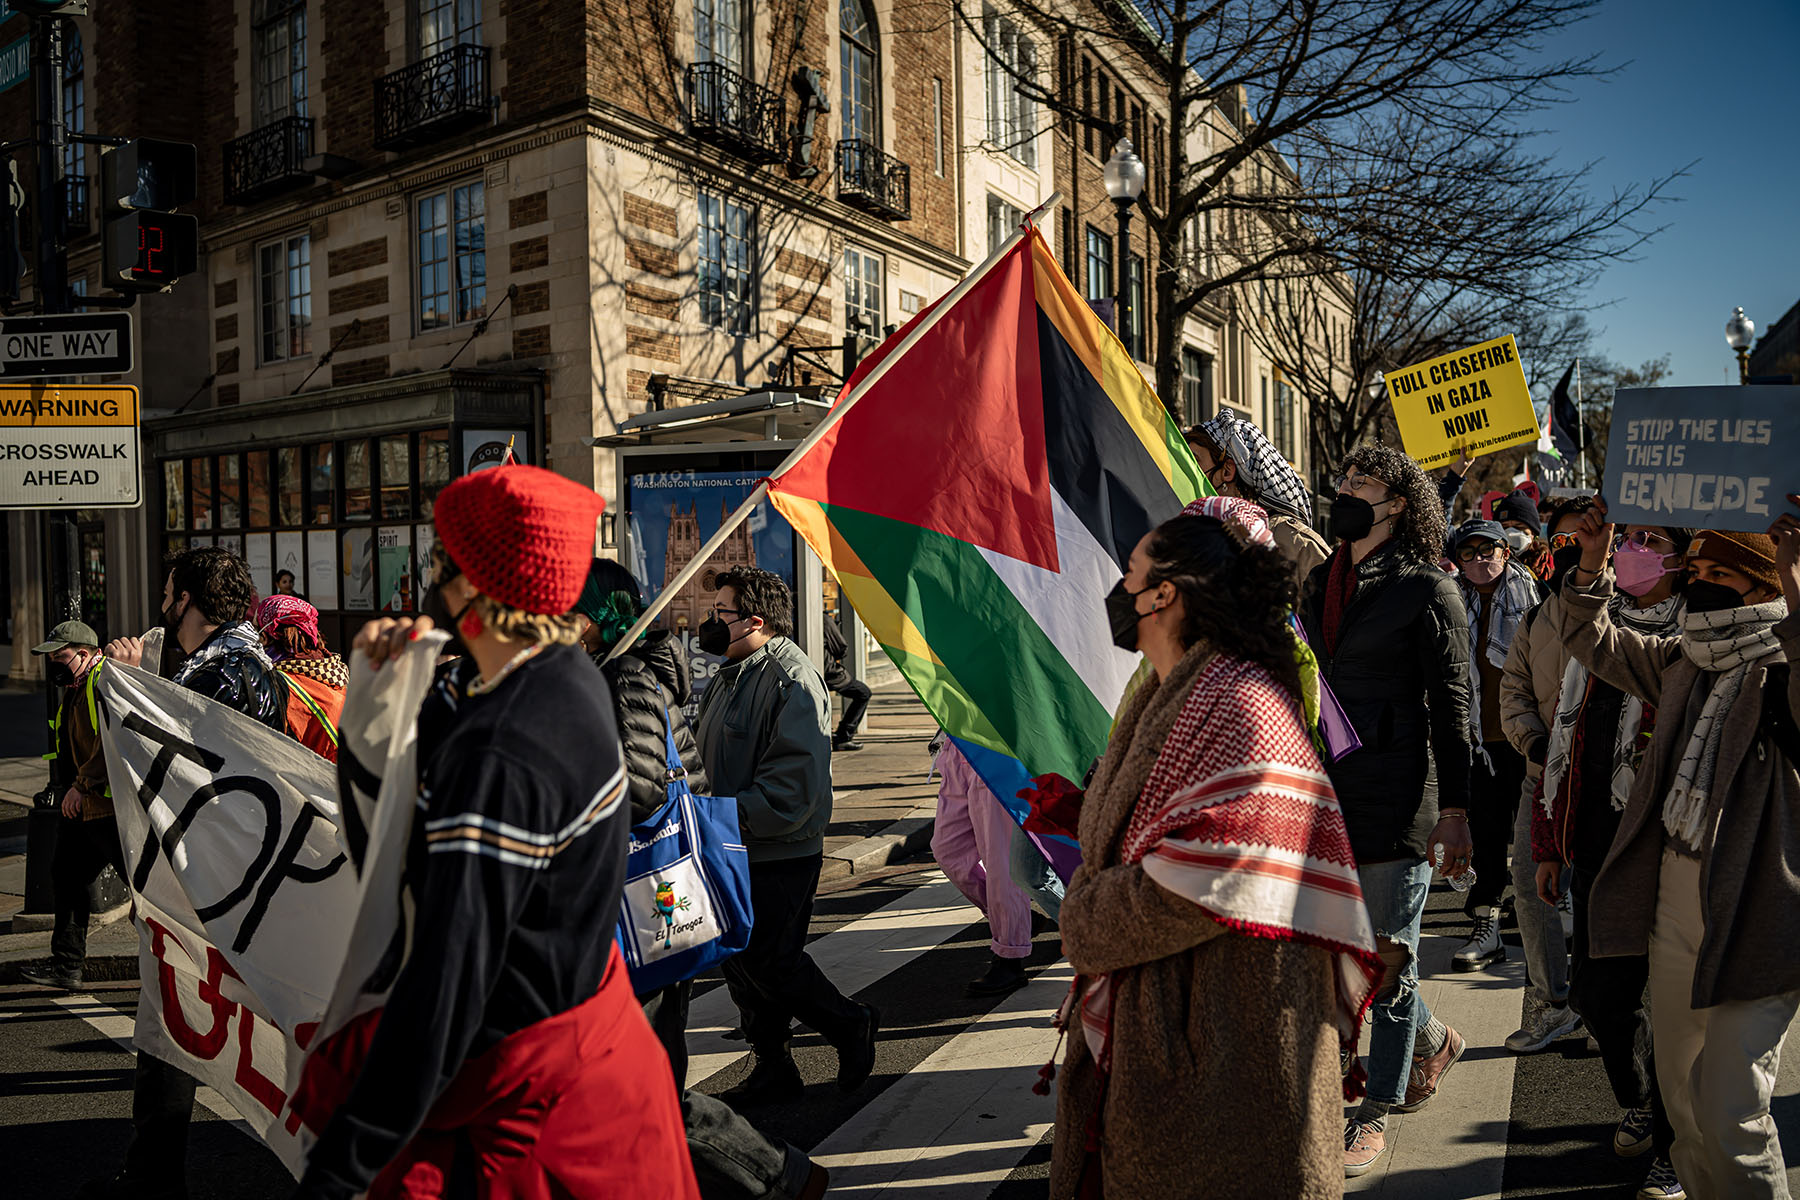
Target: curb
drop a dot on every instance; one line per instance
(909, 835)
(99, 968)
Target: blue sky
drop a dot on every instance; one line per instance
(1715, 83)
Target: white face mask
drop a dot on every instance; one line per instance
(1518, 539)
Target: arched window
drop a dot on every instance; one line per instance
(859, 65)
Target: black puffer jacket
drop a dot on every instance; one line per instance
(1401, 672)
(649, 679)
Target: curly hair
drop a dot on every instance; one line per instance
(217, 580)
(516, 625)
(1235, 594)
(1420, 527)
(762, 594)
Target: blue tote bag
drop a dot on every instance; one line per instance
(686, 905)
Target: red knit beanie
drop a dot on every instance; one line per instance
(524, 536)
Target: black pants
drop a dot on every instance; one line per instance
(667, 1012)
(856, 702)
(774, 980)
(83, 850)
(162, 1108)
(1493, 803)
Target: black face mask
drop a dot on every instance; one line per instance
(1123, 616)
(438, 609)
(60, 675)
(1567, 557)
(714, 637)
(1352, 518)
(1703, 595)
(171, 618)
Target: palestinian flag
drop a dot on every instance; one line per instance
(979, 501)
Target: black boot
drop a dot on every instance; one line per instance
(1003, 975)
(844, 741)
(856, 1058)
(774, 1080)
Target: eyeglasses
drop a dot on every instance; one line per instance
(1644, 539)
(1350, 482)
(735, 612)
(1560, 540)
(1471, 553)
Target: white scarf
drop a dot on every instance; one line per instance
(1659, 620)
(1727, 642)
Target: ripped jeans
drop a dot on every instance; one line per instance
(1394, 893)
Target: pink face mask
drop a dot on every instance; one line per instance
(1638, 568)
(1484, 571)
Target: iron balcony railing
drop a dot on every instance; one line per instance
(75, 204)
(731, 111)
(268, 160)
(875, 181)
(432, 96)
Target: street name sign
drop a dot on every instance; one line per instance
(69, 447)
(72, 344)
(15, 62)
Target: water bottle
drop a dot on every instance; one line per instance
(1461, 883)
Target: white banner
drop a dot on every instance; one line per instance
(249, 887)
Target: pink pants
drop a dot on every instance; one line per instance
(972, 830)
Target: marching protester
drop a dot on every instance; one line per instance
(206, 596)
(87, 836)
(1392, 640)
(1518, 514)
(650, 683)
(1699, 876)
(1529, 690)
(1240, 461)
(971, 832)
(855, 692)
(1591, 747)
(763, 731)
(315, 677)
(1497, 593)
(1196, 975)
(511, 1057)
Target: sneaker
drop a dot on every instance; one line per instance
(857, 1060)
(845, 744)
(1542, 1026)
(1003, 975)
(1632, 1137)
(1661, 1183)
(1428, 1072)
(774, 1080)
(1565, 908)
(1483, 946)
(1363, 1144)
(48, 974)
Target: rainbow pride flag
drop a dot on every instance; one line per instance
(980, 500)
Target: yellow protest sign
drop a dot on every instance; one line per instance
(1474, 400)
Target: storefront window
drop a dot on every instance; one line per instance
(174, 495)
(289, 503)
(322, 480)
(200, 492)
(396, 476)
(358, 495)
(434, 467)
(230, 492)
(256, 486)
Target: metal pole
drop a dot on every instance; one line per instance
(1122, 310)
(51, 136)
(825, 425)
(1580, 432)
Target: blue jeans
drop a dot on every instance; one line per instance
(1394, 893)
(1033, 872)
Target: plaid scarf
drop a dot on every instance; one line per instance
(321, 665)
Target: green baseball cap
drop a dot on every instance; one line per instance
(69, 633)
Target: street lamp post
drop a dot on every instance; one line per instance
(1124, 176)
(1740, 333)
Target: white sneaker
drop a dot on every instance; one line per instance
(1565, 908)
(1483, 946)
(1543, 1026)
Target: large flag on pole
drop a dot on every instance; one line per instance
(1568, 432)
(979, 501)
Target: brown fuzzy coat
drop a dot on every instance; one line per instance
(1225, 1078)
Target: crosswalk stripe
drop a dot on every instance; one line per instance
(960, 1121)
(854, 957)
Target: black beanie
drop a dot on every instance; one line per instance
(1519, 507)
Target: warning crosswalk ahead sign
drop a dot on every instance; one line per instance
(74, 446)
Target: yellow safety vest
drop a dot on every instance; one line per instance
(93, 707)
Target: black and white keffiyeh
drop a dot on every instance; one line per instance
(1264, 472)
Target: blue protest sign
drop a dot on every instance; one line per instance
(1703, 457)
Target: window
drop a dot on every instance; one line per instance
(864, 311)
(1011, 115)
(1285, 421)
(719, 34)
(1003, 218)
(727, 298)
(1263, 420)
(937, 127)
(452, 256)
(860, 117)
(1196, 386)
(1134, 330)
(445, 24)
(74, 113)
(1099, 265)
(284, 298)
(278, 42)
(1087, 103)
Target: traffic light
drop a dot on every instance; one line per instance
(148, 246)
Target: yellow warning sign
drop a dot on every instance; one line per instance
(1473, 400)
(74, 446)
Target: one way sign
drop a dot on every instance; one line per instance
(73, 344)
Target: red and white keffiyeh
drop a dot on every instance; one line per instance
(278, 610)
(1234, 510)
(1239, 816)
